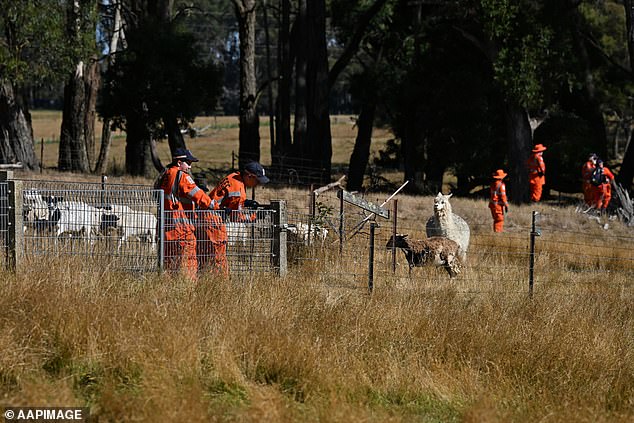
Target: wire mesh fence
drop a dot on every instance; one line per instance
(113, 226)
(228, 242)
(327, 239)
(344, 255)
(124, 228)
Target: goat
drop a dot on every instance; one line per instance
(439, 251)
(445, 223)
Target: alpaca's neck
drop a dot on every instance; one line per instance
(445, 217)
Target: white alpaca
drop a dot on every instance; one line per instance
(447, 224)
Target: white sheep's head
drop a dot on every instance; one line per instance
(441, 202)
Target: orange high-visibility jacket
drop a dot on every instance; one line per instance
(609, 176)
(498, 194)
(586, 171)
(602, 194)
(181, 192)
(536, 166)
(230, 193)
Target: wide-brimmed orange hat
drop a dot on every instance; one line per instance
(499, 174)
(538, 148)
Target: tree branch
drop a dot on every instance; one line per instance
(593, 43)
(355, 40)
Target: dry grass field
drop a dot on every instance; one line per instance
(213, 147)
(316, 346)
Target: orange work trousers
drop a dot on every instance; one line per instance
(602, 196)
(535, 184)
(497, 212)
(211, 243)
(180, 250)
(588, 193)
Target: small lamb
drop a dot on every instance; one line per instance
(437, 250)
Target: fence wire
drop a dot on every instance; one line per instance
(115, 227)
(327, 240)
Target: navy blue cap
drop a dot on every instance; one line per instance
(183, 155)
(257, 169)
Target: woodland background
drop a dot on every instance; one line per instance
(463, 87)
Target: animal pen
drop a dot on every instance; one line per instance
(122, 227)
(318, 237)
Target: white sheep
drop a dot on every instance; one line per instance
(130, 223)
(238, 233)
(74, 218)
(35, 211)
(445, 223)
(35, 208)
(303, 233)
(438, 251)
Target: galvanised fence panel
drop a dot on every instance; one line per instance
(4, 222)
(242, 241)
(249, 240)
(112, 227)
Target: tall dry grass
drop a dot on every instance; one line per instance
(306, 348)
(315, 346)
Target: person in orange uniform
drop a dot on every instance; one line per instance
(231, 192)
(211, 239)
(536, 172)
(180, 196)
(603, 192)
(586, 175)
(498, 202)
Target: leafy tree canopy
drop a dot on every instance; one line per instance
(161, 74)
(35, 47)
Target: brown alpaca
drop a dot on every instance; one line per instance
(437, 250)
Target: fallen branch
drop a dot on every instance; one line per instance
(17, 165)
(329, 186)
(626, 209)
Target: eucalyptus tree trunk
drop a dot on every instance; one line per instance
(626, 174)
(520, 143)
(16, 132)
(285, 64)
(138, 153)
(300, 128)
(73, 155)
(174, 135)
(361, 152)
(249, 148)
(319, 147)
(106, 132)
(77, 139)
